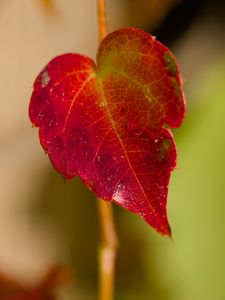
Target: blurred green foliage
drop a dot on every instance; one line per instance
(194, 267)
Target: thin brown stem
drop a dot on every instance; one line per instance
(107, 251)
(102, 20)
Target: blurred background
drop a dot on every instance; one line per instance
(45, 220)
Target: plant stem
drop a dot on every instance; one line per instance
(107, 251)
(109, 240)
(102, 21)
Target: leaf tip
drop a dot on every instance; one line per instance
(166, 231)
(169, 232)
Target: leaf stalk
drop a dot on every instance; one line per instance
(107, 251)
(102, 19)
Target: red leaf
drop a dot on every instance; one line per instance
(105, 123)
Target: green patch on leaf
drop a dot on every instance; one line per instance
(170, 64)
